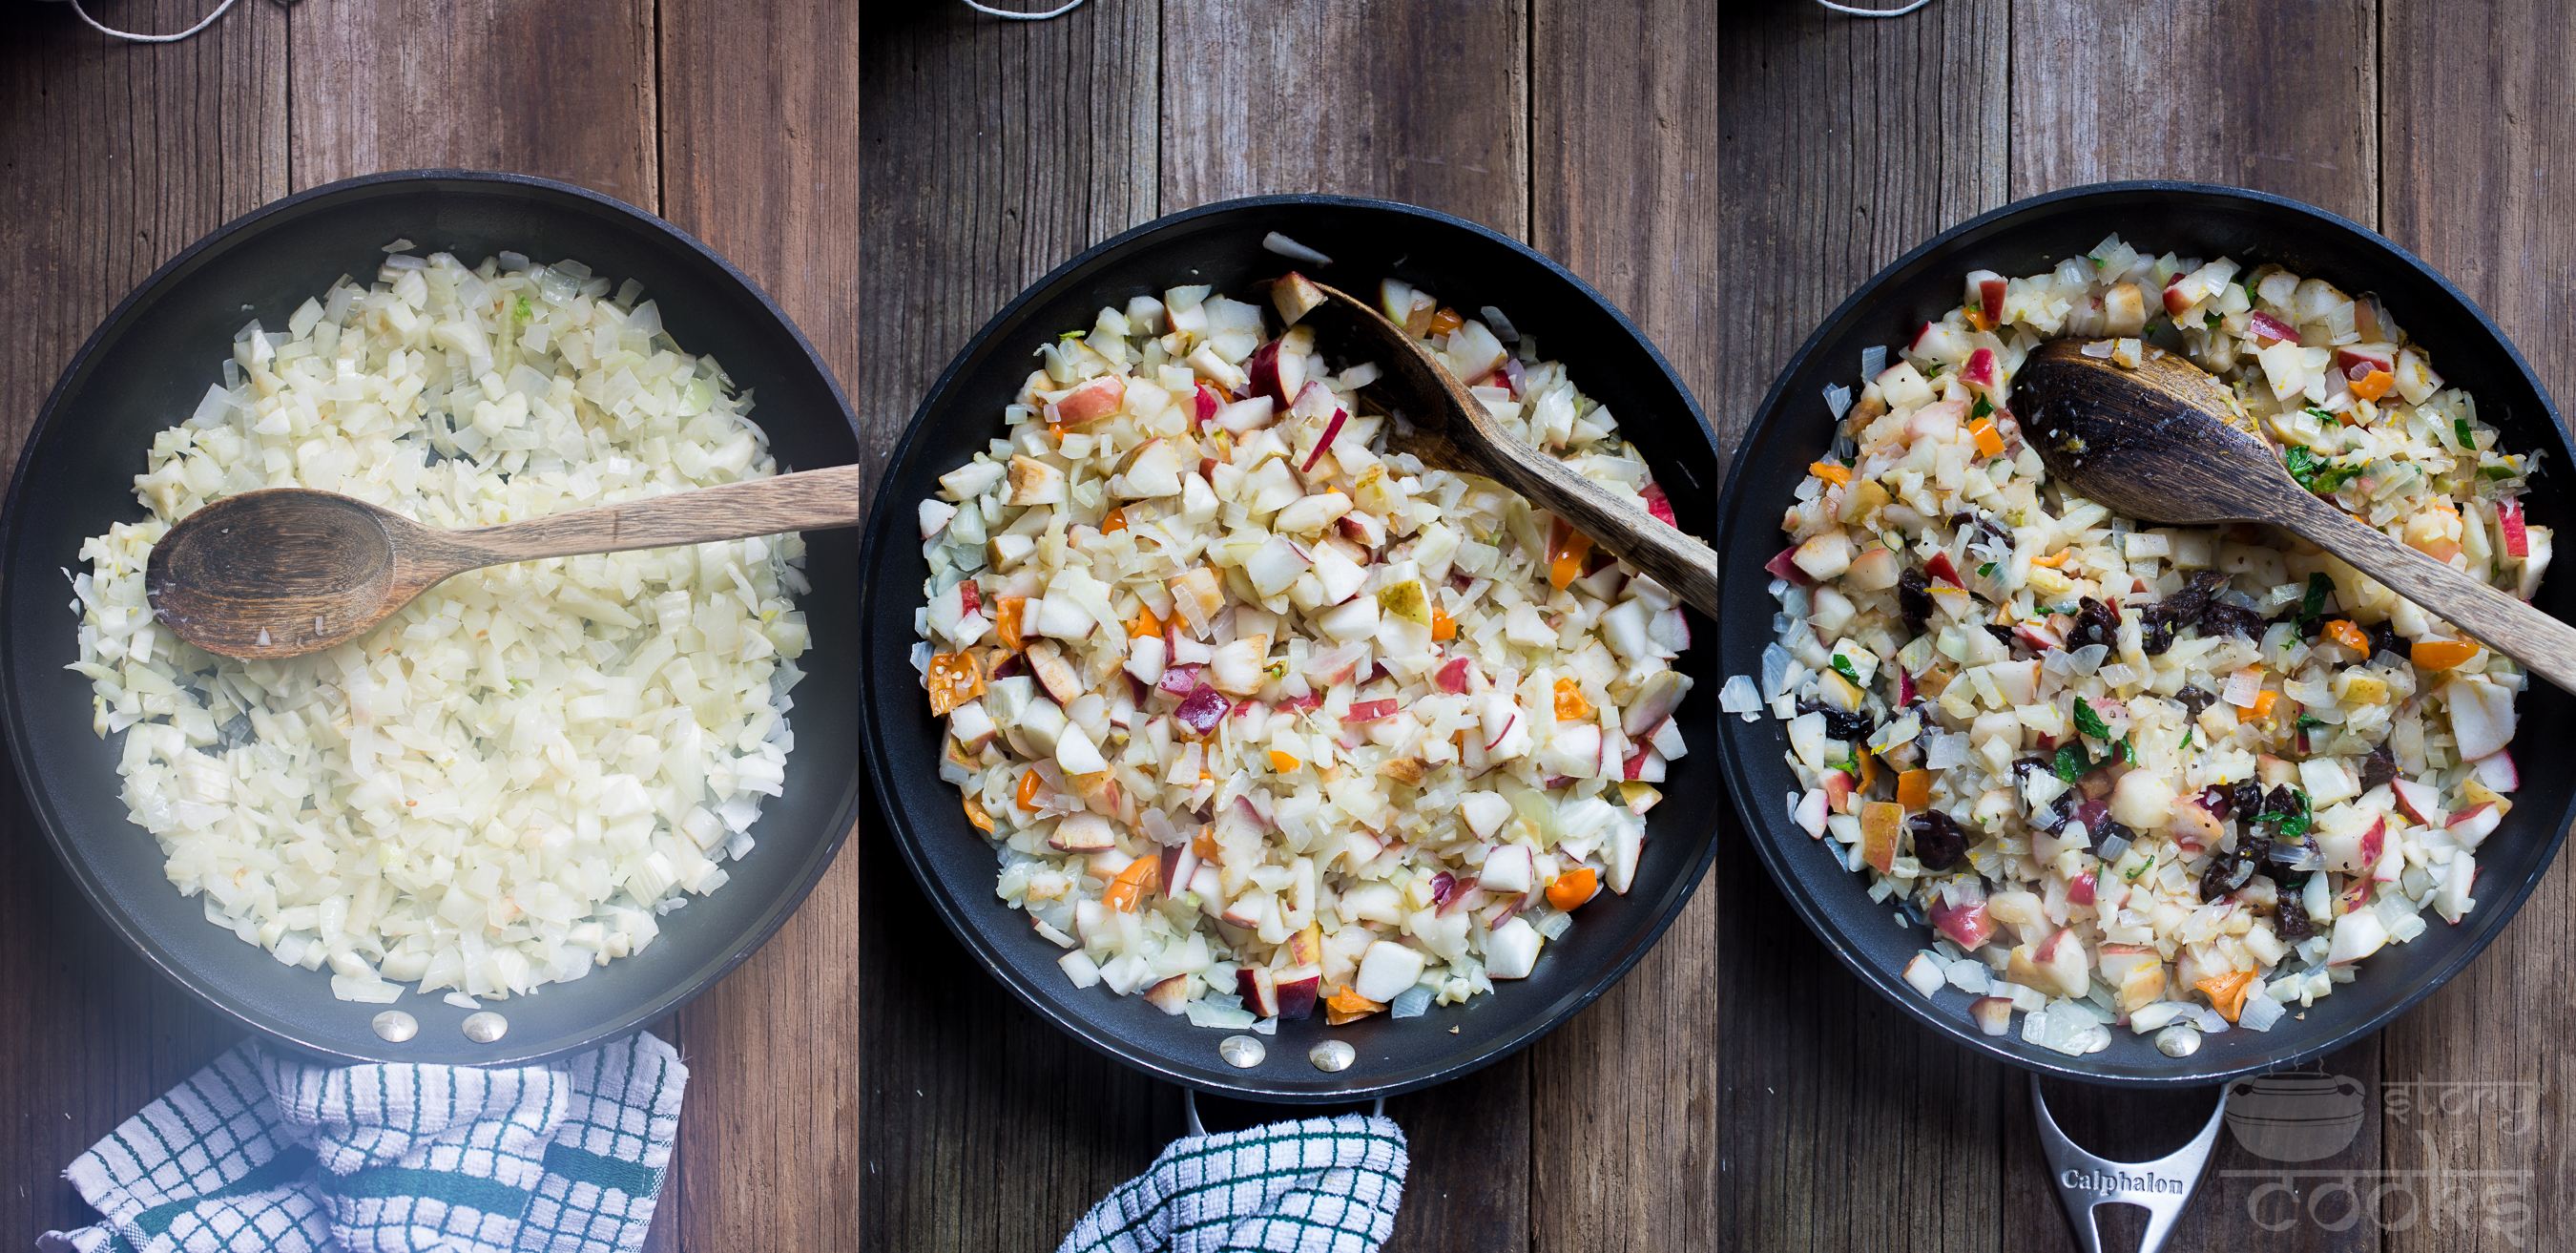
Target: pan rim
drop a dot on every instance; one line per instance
(973, 937)
(1761, 826)
(13, 711)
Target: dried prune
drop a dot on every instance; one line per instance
(1938, 841)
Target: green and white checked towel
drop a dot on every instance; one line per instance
(1320, 1185)
(262, 1153)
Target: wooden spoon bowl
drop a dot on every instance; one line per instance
(286, 571)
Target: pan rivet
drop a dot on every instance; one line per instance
(2178, 1041)
(1333, 1055)
(396, 1026)
(486, 1027)
(1240, 1051)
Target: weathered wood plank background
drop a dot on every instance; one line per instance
(894, 172)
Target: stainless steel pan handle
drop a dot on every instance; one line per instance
(2162, 1187)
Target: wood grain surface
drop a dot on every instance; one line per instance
(892, 173)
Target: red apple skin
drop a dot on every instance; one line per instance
(1298, 994)
(1980, 371)
(1991, 292)
(1168, 995)
(1939, 567)
(1262, 373)
(2265, 326)
(1260, 990)
(2346, 359)
(1306, 947)
(2079, 890)
(2175, 302)
(1966, 925)
(1097, 398)
(2421, 803)
(2374, 844)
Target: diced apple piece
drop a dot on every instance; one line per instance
(1236, 669)
(1082, 833)
(1170, 995)
(1298, 988)
(1882, 827)
(1259, 989)
(1507, 870)
(1982, 372)
(1053, 672)
(1512, 950)
(2356, 935)
(1386, 970)
(2056, 965)
(2354, 851)
(2482, 716)
(1275, 565)
(1408, 600)
(1155, 470)
(1924, 974)
(2421, 803)
(1485, 814)
(1992, 1014)
(2473, 825)
(1874, 571)
(1294, 296)
(1824, 556)
(2124, 309)
(1034, 482)
(935, 515)
(1968, 926)
(1076, 754)
(1095, 399)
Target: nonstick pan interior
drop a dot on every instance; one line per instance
(2029, 237)
(1465, 266)
(147, 367)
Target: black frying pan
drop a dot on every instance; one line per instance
(146, 368)
(2028, 237)
(1468, 267)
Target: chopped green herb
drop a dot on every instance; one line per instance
(2213, 321)
(2128, 751)
(2314, 474)
(2497, 472)
(2320, 414)
(1984, 408)
(526, 310)
(2089, 722)
(1071, 335)
(2186, 738)
(2072, 761)
(2314, 603)
(2289, 823)
(1986, 571)
(1843, 666)
(2143, 867)
(2468, 438)
(2097, 262)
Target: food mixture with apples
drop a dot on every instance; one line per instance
(1258, 715)
(2173, 779)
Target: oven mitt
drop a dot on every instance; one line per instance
(263, 1152)
(1321, 1185)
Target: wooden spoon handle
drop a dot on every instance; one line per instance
(2543, 644)
(814, 500)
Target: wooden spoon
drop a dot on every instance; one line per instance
(284, 571)
(1443, 423)
(2157, 443)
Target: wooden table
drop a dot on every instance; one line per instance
(892, 172)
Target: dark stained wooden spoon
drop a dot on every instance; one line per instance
(285, 571)
(1446, 426)
(2165, 442)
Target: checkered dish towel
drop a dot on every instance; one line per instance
(1320, 1185)
(262, 1153)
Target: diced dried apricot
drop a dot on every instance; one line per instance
(1567, 561)
(1284, 763)
(953, 680)
(2374, 385)
(1204, 846)
(1833, 472)
(1573, 887)
(2263, 702)
(1345, 1005)
(1882, 829)
(1867, 771)
(2056, 559)
(1114, 523)
(2441, 654)
(1006, 620)
(975, 814)
(2343, 632)
(1914, 789)
(1140, 877)
(1447, 320)
(1570, 705)
(1443, 627)
(1990, 441)
(1027, 797)
(1145, 624)
(2227, 991)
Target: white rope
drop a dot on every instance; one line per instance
(1845, 8)
(1058, 11)
(130, 36)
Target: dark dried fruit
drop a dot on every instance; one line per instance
(2222, 618)
(2247, 797)
(1914, 600)
(2110, 829)
(2095, 623)
(2158, 625)
(1850, 728)
(1938, 841)
(2295, 925)
(2378, 769)
(2194, 700)
(2229, 871)
(2002, 634)
(2384, 639)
